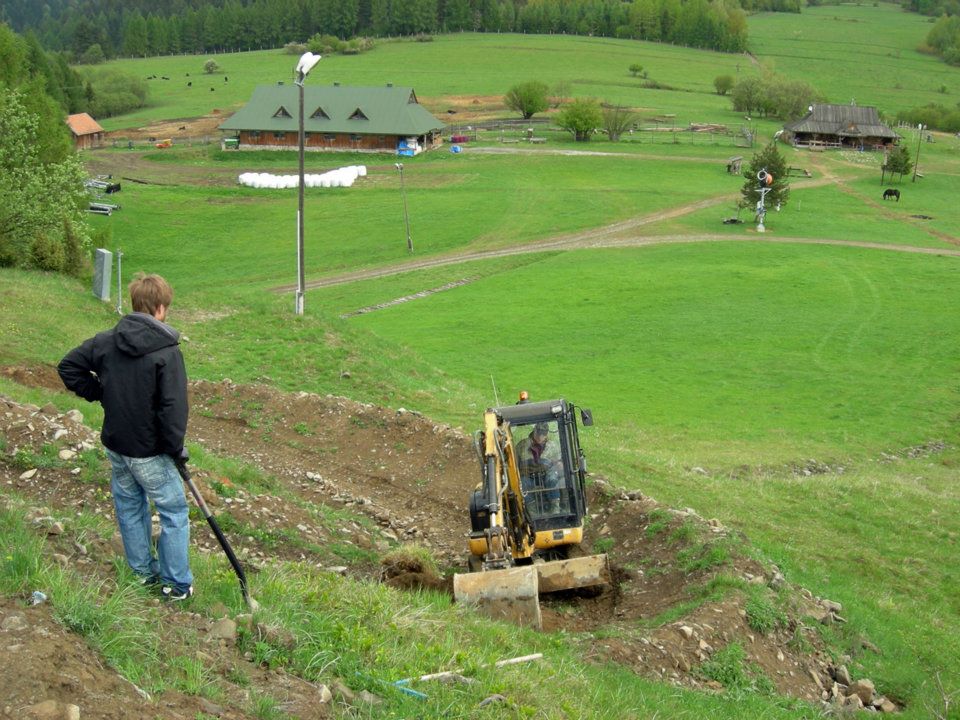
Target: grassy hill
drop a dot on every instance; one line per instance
(801, 393)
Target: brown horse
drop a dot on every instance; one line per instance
(891, 193)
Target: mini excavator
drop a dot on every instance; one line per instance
(527, 512)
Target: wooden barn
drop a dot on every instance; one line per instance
(335, 117)
(836, 126)
(86, 131)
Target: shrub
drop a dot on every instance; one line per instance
(528, 98)
(581, 117)
(46, 253)
(723, 84)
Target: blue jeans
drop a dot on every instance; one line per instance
(134, 484)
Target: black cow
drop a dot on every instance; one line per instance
(891, 193)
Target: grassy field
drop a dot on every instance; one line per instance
(718, 372)
(853, 53)
(815, 46)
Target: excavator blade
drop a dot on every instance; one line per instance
(510, 594)
(573, 573)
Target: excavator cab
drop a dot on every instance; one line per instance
(527, 513)
(552, 470)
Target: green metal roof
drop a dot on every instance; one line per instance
(385, 110)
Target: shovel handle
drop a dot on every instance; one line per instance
(221, 538)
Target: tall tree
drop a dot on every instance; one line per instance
(33, 229)
(135, 41)
(768, 160)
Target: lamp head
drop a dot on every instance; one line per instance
(305, 65)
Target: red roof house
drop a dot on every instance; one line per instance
(86, 131)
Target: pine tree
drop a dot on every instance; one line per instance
(773, 163)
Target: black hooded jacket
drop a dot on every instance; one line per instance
(136, 372)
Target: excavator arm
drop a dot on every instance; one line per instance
(510, 535)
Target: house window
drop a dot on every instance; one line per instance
(319, 114)
(329, 137)
(255, 134)
(355, 138)
(279, 136)
(358, 115)
(282, 113)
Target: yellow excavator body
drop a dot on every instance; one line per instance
(527, 514)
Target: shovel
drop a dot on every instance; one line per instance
(252, 604)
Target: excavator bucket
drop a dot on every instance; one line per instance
(514, 594)
(573, 573)
(510, 594)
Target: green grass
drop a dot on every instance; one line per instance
(819, 44)
(776, 352)
(728, 667)
(747, 360)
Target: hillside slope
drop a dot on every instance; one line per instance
(685, 589)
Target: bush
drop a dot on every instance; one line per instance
(46, 253)
(933, 116)
(93, 55)
(210, 67)
(723, 84)
(113, 92)
(527, 98)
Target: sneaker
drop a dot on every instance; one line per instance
(171, 594)
(149, 581)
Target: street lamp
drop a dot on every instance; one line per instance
(304, 66)
(406, 216)
(917, 163)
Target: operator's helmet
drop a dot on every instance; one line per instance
(542, 429)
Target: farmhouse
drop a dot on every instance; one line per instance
(363, 119)
(86, 131)
(841, 126)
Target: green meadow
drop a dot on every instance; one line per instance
(720, 364)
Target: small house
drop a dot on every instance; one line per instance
(335, 117)
(86, 131)
(837, 126)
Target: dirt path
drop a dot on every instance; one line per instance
(624, 234)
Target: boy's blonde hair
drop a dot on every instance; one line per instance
(148, 292)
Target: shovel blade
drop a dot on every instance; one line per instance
(510, 594)
(573, 573)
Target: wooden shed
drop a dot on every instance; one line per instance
(837, 126)
(336, 117)
(86, 131)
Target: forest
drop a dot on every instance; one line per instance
(92, 30)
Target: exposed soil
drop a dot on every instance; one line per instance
(410, 476)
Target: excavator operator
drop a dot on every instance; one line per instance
(540, 467)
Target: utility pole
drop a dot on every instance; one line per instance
(406, 216)
(119, 284)
(919, 139)
(304, 66)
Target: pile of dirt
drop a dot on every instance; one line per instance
(177, 130)
(411, 477)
